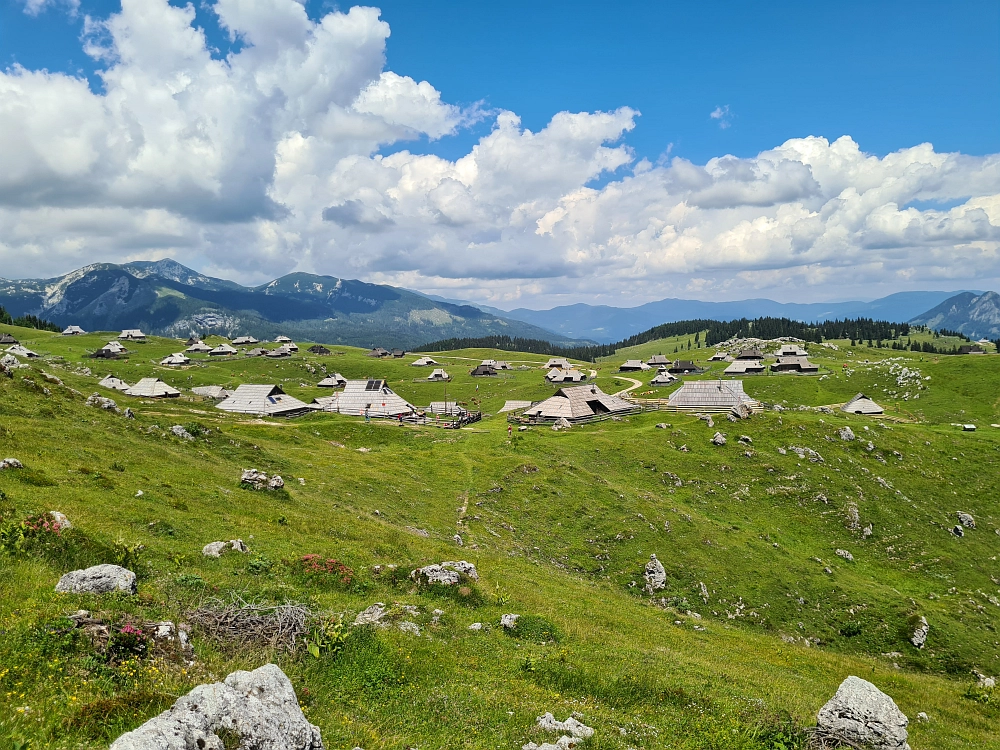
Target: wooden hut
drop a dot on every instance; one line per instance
(244, 341)
(750, 354)
(439, 376)
(199, 347)
(73, 331)
(861, 404)
(223, 350)
(664, 377)
(684, 367)
(578, 403)
(152, 388)
(332, 381)
(565, 376)
(266, 400)
(117, 384)
(559, 363)
(794, 364)
(712, 396)
(21, 351)
(359, 397)
(318, 349)
(423, 362)
(483, 371)
(211, 391)
(175, 359)
(658, 360)
(132, 334)
(792, 350)
(744, 367)
(633, 365)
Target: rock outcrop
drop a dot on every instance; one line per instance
(919, 637)
(99, 579)
(215, 549)
(103, 402)
(655, 575)
(446, 573)
(966, 520)
(846, 433)
(259, 707)
(861, 713)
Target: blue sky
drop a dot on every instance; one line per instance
(890, 74)
(496, 151)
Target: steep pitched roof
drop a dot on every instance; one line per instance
(744, 367)
(177, 358)
(861, 404)
(439, 374)
(222, 350)
(633, 365)
(578, 402)
(333, 381)
(423, 362)
(152, 388)
(73, 331)
(268, 400)
(710, 395)
(211, 391)
(664, 378)
(199, 346)
(114, 383)
(361, 395)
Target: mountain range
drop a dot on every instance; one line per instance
(975, 315)
(606, 324)
(167, 298)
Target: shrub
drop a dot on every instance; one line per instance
(534, 628)
(316, 567)
(128, 641)
(259, 565)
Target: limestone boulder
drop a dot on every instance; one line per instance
(99, 579)
(861, 713)
(655, 575)
(448, 573)
(259, 707)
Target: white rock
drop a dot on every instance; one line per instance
(409, 627)
(919, 637)
(846, 433)
(276, 483)
(549, 723)
(655, 575)
(845, 554)
(59, 520)
(372, 616)
(718, 439)
(447, 573)
(861, 713)
(179, 431)
(239, 545)
(476, 626)
(213, 549)
(260, 707)
(11, 463)
(102, 402)
(99, 579)
(966, 520)
(509, 621)
(923, 717)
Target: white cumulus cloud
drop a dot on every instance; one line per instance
(271, 160)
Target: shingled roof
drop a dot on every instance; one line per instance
(360, 395)
(578, 402)
(267, 400)
(711, 395)
(152, 388)
(861, 404)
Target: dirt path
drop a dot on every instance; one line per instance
(635, 384)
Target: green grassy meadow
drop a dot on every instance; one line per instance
(758, 625)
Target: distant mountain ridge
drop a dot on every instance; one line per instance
(167, 298)
(977, 315)
(606, 324)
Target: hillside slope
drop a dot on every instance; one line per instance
(759, 621)
(167, 298)
(975, 315)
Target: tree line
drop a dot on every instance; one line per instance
(877, 333)
(27, 321)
